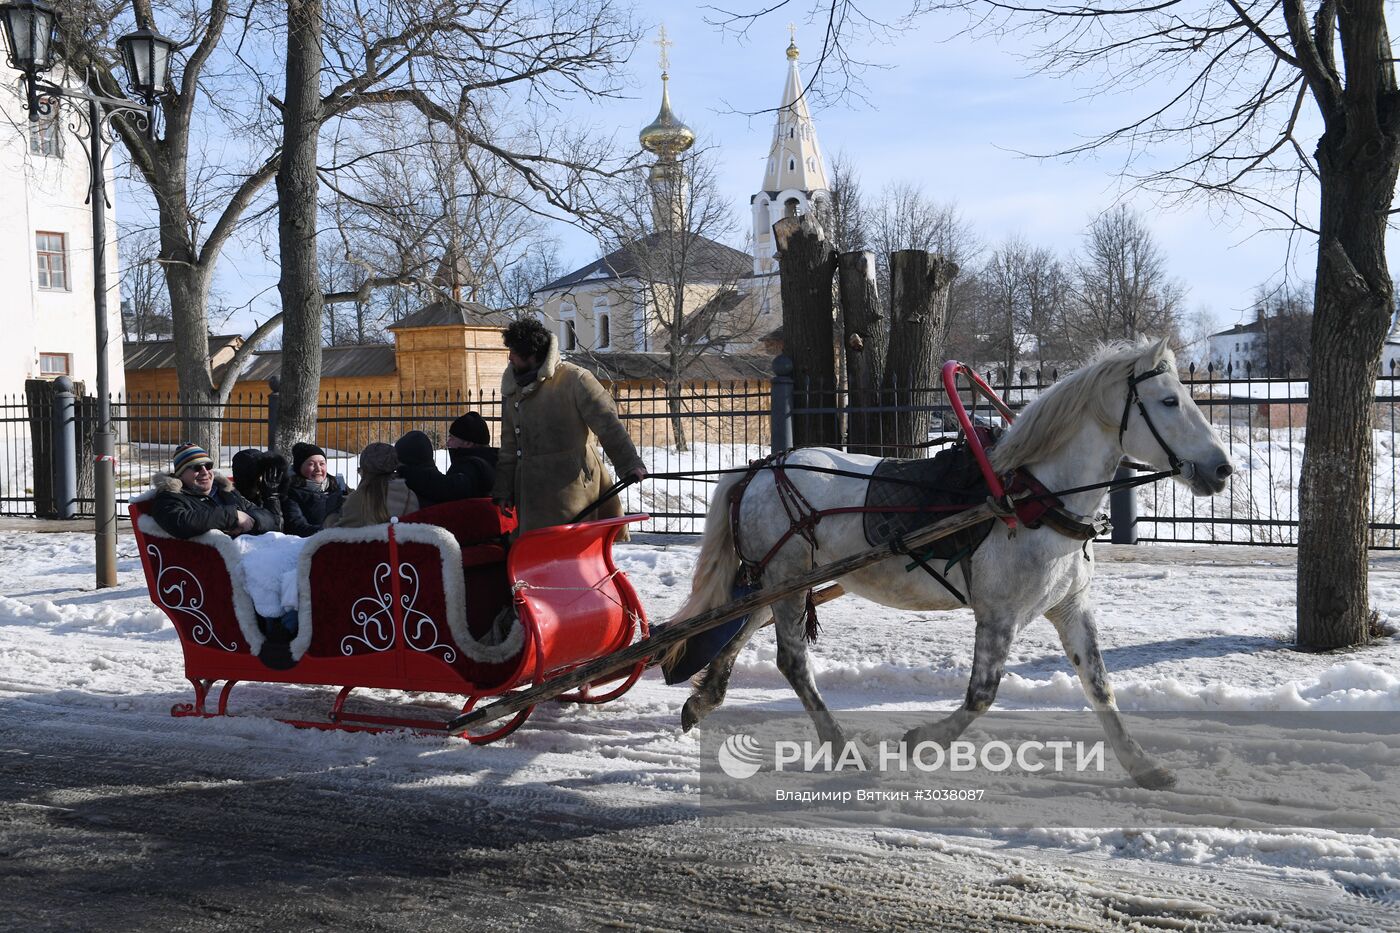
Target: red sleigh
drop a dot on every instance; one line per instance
(436, 602)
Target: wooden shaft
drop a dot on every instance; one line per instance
(665, 636)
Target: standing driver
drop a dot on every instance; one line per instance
(549, 469)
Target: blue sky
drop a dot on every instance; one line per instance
(949, 115)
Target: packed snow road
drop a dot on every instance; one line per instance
(114, 816)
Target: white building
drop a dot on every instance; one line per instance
(46, 250)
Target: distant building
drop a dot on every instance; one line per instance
(1234, 347)
(46, 250)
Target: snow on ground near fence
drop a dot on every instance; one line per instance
(1176, 636)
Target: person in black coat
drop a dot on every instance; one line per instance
(469, 448)
(314, 495)
(192, 499)
(470, 477)
(262, 479)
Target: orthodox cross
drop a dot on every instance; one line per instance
(663, 43)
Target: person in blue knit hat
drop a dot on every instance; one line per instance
(192, 499)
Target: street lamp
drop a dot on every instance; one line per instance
(31, 34)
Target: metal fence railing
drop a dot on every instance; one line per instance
(716, 427)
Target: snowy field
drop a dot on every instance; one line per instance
(90, 676)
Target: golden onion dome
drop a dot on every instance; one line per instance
(666, 135)
(792, 50)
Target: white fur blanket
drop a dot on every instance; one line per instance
(269, 563)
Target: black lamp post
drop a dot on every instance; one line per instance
(31, 34)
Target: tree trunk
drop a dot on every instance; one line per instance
(677, 411)
(1354, 302)
(920, 284)
(806, 264)
(300, 284)
(188, 287)
(867, 338)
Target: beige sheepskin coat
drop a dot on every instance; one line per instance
(549, 466)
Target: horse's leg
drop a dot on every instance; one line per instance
(1074, 620)
(995, 633)
(709, 691)
(792, 662)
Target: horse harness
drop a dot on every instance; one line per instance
(1041, 508)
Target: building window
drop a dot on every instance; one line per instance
(568, 334)
(55, 364)
(791, 132)
(53, 260)
(604, 331)
(790, 207)
(45, 136)
(792, 165)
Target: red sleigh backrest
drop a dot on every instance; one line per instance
(192, 583)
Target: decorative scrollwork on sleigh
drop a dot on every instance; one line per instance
(420, 632)
(373, 616)
(188, 599)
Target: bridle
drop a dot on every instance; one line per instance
(1176, 462)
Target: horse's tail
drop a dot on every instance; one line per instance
(712, 583)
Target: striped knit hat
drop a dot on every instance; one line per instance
(188, 455)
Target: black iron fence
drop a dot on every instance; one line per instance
(718, 427)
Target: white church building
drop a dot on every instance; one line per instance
(606, 307)
(46, 250)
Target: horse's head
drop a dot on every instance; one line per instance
(1161, 425)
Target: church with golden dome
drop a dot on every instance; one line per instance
(618, 314)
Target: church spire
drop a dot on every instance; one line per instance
(795, 159)
(794, 180)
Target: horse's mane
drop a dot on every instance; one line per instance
(1090, 391)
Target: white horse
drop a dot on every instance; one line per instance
(1126, 400)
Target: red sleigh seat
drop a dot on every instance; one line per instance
(435, 602)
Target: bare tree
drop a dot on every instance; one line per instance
(905, 217)
(145, 303)
(845, 213)
(1121, 289)
(1285, 314)
(1237, 85)
(415, 211)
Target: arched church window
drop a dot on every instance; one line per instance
(568, 333)
(790, 207)
(604, 331)
(791, 132)
(792, 165)
(811, 164)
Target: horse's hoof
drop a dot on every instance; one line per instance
(689, 717)
(1158, 778)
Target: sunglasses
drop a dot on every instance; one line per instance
(201, 468)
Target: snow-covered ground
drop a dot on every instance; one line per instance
(1199, 631)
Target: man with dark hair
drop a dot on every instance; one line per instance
(192, 499)
(549, 469)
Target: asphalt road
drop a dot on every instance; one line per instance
(102, 830)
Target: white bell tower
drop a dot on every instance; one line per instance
(794, 180)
